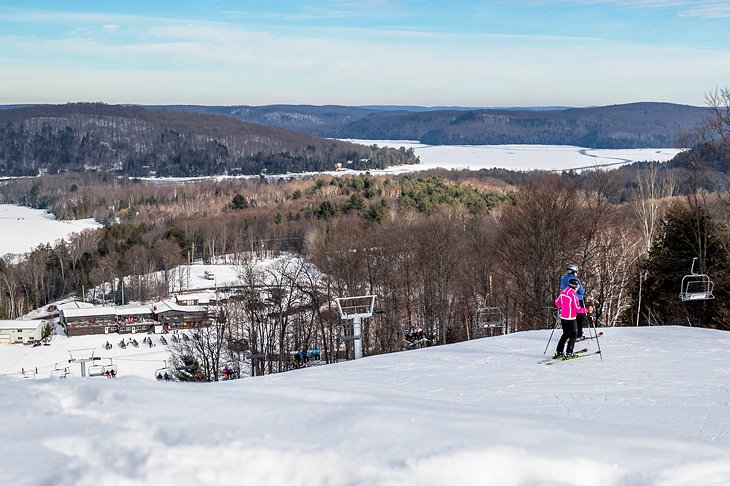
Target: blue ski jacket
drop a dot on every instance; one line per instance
(564, 283)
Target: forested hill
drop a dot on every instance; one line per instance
(635, 125)
(138, 141)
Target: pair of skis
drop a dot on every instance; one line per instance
(586, 338)
(583, 353)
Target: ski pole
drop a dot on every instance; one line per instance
(598, 343)
(551, 334)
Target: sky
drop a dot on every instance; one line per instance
(482, 412)
(364, 52)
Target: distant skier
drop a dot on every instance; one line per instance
(570, 308)
(572, 272)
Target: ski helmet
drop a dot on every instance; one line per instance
(573, 282)
(572, 267)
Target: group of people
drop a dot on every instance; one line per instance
(111, 373)
(572, 309)
(228, 373)
(302, 357)
(416, 337)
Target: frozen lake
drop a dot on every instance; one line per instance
(26, 228)
(519, 157)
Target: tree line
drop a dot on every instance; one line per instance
(136, 142)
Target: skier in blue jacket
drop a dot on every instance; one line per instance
(572, 272)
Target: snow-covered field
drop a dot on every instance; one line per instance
(519, 157)
(25, 228)
(654, 411)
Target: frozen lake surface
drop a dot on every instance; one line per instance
(519, 157)
(24, 228)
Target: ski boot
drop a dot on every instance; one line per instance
(558, 355)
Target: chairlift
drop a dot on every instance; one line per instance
(111, 367)
(414, 335)
(102, 369)
(166, 370)
(489, 317)
(60, 373)
(95, 370)
(347, 332)
(696, 286)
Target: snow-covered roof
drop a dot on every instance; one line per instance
(18, 324)
(134, 310)
(90, 311)
(168, 305)
(74, 304)
(201, 297)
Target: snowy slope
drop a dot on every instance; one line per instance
(655, 410)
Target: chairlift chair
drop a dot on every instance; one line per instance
(347, 332)
(95, 370)
(102, 369)
(165, 370)
(61, 373)
(111, 367)
(696, 286)
(489, 317)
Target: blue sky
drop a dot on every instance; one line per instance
(360, 52)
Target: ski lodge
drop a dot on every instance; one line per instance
(21, 332)
(132, 319)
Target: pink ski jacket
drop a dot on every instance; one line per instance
(568, 304)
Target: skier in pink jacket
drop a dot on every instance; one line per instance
(570, 307)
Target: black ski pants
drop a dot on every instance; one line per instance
(580, 321)
(570, 329)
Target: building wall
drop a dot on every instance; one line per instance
(24, 336)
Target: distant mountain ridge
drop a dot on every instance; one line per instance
(139, 141)
(633, 125)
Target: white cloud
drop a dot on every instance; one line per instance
(689, 8)
(229, 64)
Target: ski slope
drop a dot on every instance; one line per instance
(654, 411)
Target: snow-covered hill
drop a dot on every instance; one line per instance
(654, 411)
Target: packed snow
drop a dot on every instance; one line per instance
(653, 411)
(519, 157)
(32, 227)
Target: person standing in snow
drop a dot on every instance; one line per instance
(572, 272)
(570, 308)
